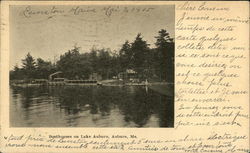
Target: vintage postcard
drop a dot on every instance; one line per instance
(125, 76)
(91, 69)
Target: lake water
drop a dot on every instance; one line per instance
(89, 106)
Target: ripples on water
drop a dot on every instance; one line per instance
(89, 106)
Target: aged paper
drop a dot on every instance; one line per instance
(57, 95)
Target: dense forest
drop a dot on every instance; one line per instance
(149, 63)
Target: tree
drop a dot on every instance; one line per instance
(93, 59)
(15, 73)
(140, 50)
(29, 66)
(69, 63)
(84, 66)
(163, 39)
(164, 56)
(104, 63)
(126, 56)
(75, 65)
(115, 66)
(44, 69)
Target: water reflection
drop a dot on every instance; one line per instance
(89, 106)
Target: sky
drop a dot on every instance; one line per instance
(49, 31)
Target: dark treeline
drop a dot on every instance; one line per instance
(149, 63)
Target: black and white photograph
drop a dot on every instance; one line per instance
(91, 66)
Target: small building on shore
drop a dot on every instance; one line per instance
(57, 74)
(129, 74)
